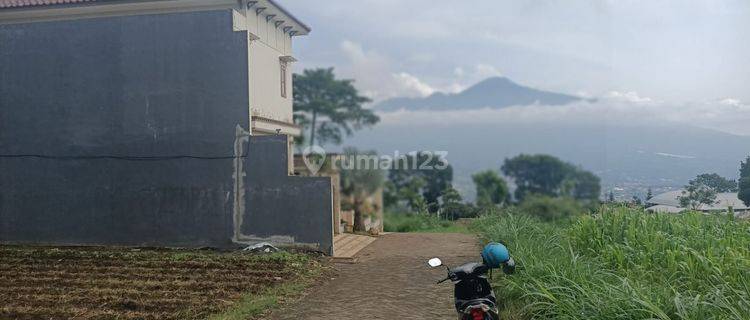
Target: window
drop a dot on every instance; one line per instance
(283, 79)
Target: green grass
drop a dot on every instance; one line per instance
(252, 305)
(420, 223)
(624, 264)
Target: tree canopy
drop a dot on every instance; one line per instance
(697, 193)
(328, 107)
(452, 208)
(717, 182)
(585, 185)
(547, 175)
(491, 189)
(744, 183)
(418, 173)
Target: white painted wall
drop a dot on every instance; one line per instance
(265, 68)
(265, 83)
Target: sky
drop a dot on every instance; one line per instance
(683, 61)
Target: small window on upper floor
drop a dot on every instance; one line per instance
(283, 79)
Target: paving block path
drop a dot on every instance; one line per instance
(390, 280)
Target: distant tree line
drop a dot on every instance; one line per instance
(704, 189)
(549, 176)
(542, 182)
(744, 182)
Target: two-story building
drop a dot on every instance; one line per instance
(152, 122)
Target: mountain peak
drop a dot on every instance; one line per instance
(494, 92)
(492, 83)
(497, 80)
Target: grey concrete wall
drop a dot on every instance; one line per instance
(153, 86)
(293, 209)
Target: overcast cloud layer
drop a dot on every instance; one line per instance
(616, 109)
(687, 60)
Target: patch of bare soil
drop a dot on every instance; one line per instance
(390, 281)
(120, 283)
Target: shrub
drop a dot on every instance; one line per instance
(414, 223)
(549, 208)
(453, 211)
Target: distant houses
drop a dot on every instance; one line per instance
(669, 202)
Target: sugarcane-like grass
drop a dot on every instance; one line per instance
(623, 263)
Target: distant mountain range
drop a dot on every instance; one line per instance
(495, 93)
(628, 157)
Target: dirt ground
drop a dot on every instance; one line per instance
(390, 281)
(112, 283)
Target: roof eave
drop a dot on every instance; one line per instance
(306, 29)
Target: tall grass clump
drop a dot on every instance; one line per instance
(416, 223)
(624, 263)
(550, 208)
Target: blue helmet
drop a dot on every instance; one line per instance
(495, 254)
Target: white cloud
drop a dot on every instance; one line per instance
(458, 72)
(671, 155)
(375, 77)
(368, 68)
(463, 79)
(611, 110)
(356, 54)
(675, 52)
(483, 71)
(731, 102)
(411, 82)
(630, 96)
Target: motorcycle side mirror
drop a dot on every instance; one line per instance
(509, 267)
(435, 262)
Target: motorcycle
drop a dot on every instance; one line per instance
(473, 295)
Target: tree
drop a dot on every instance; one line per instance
(451, 195)
(329, 108)
(744, 184)
(717, 182)
(550, 176)
(358, 184)
(637, 200)
(535, 174)
(452, 208)
(585, 185)
(434, 174)
(696, 194)
(611, 197)
(649, 194)
(744, 190)
(412, 193)
(491, 189)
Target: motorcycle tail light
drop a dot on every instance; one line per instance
(477, 314)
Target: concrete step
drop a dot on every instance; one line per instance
(347, 245)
